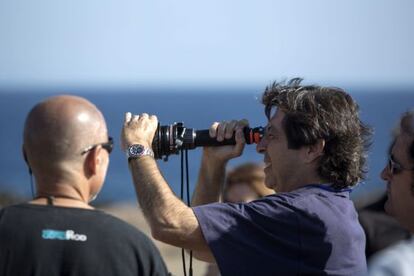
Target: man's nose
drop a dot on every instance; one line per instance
(386, 174)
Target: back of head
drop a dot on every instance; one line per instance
(56, 131)
(314, 113)
(251, 174)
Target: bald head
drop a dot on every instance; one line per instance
(59, 128)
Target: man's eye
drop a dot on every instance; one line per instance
(396, 170)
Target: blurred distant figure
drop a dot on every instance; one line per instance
(243, 184)
(66, 147)
(381, 229)
(399, 175)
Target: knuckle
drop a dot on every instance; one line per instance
(214, 126)
(221, 130)
(244, 122)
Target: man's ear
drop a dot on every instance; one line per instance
(93, 161)
(26, 160)
(315, 151)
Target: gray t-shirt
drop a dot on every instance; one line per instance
(313, 230)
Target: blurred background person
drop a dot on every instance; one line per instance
(399, 177)
(381, 229)
(245, 183)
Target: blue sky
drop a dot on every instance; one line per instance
(216, 42)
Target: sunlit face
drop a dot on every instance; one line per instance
(400, 203)
(240, 192)
(280, 161)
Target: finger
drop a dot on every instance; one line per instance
(242, 124)
(153, 118)
(213, 130)
(143, 116)
(230, 129)
(135, 118)
(221, 128)
(240, 139)
(240, 142)
(238, 148)
(128, 117)
(154, 121)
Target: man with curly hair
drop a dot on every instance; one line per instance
(314, 152)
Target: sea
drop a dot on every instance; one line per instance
(196, 108)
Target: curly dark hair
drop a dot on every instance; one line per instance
(328, 113)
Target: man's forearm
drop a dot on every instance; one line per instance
(210, 182)
(171, 221)
(152, 190)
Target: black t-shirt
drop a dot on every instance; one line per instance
(50, 240)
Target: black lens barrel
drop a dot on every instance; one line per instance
(203, 139)
(171, 139)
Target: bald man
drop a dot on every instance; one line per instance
(66, 147)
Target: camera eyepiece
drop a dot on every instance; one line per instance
(170, 139)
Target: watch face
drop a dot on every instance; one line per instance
(136, 150)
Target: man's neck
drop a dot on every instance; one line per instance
(298, 183)
(60, 201)
(63, 194)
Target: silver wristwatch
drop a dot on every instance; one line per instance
(137, 150)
